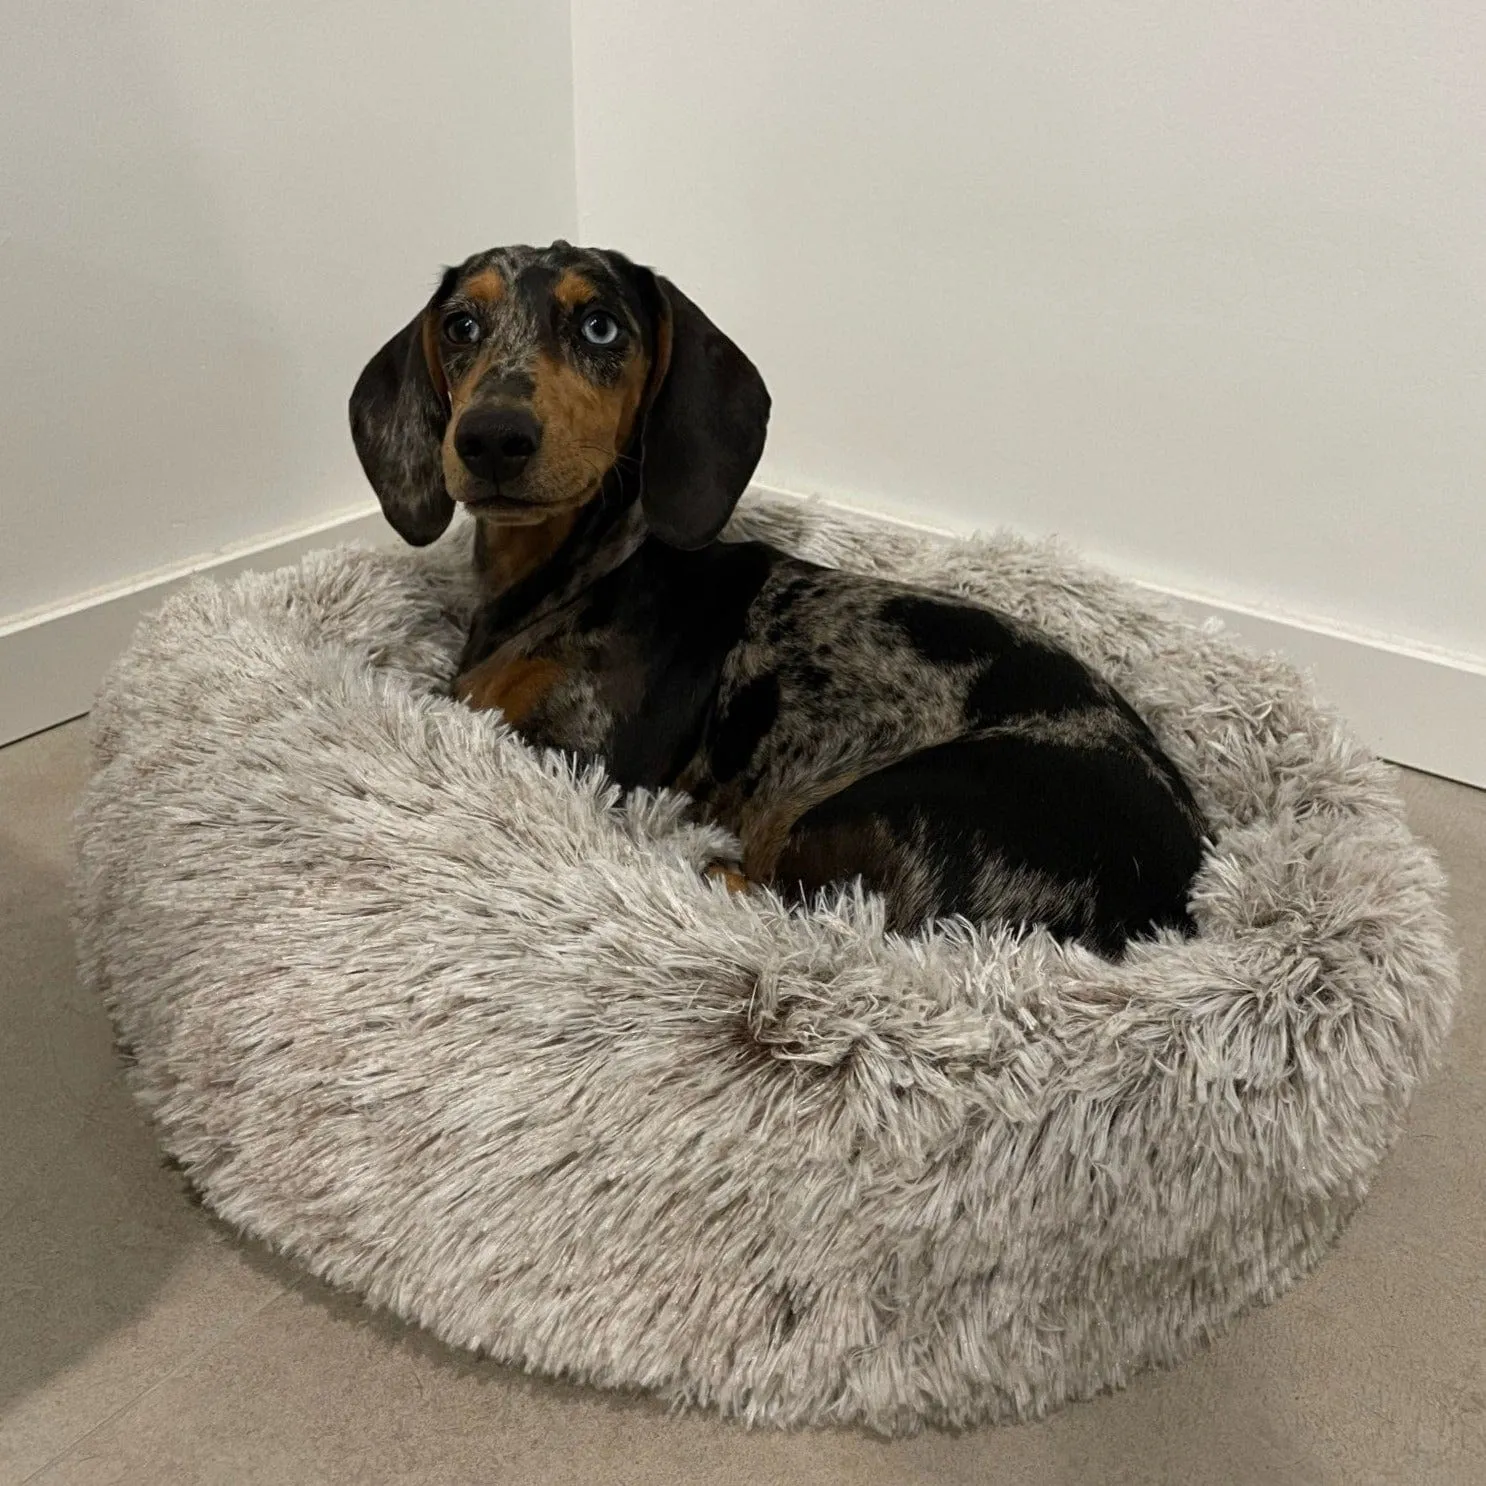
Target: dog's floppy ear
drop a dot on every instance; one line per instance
(706, 417)
(399, 410)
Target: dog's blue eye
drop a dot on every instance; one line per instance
(600, 328)
(461, 328)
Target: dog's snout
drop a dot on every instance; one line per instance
(496, 443)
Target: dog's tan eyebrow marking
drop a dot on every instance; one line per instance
(487, 286)
(572, 290)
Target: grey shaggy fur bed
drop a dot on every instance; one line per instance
(461, 1032)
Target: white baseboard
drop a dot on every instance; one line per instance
(52, 659)
(1421, 708)
(1416, 706)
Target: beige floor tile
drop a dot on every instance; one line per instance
(142, 1344)
(108, 1277)
(308, 1391)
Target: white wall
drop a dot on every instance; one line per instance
(1200, 285)
(211, 213)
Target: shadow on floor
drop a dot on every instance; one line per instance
(90, 1223)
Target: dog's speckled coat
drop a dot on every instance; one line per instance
(432, 1015)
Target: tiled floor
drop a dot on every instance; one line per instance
(139, 1342)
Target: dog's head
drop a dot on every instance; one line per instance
(533, 373)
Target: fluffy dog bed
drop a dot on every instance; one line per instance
(463, 1032)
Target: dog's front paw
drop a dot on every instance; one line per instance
(730, 877)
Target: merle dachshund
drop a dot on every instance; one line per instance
(600, 429)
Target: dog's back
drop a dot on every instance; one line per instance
(955, 759)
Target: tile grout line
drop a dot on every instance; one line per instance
(214, 1341)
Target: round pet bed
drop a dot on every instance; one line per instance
(460, 1030)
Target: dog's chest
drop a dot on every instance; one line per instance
(629, 670)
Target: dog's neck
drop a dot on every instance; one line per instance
(526, 572)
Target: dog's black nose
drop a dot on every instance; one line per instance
(495, 443)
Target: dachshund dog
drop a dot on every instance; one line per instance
(600, 429)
